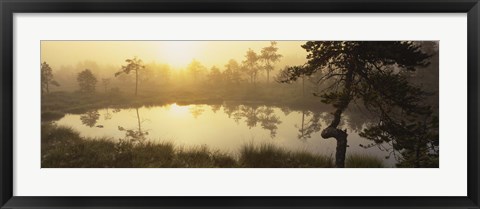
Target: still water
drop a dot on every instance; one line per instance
(223, 127)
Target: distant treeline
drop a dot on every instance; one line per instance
(255, 70)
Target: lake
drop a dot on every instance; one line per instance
(224, 127)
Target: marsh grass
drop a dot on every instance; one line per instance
(363, 161)
(271, 156)
(63, 147)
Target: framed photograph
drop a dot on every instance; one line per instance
(239, 104)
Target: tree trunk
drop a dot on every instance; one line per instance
(268, 76)
(332, 130)
(303, 86)
(48, 90)
(417, 154)
(140, 137)
(136, 82)
(340, 136)
(139, 124)
(302, 131)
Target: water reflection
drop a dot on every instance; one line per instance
(224, 126)
(233, 111)
(311, 126)
(215, 108)
(90, 118)
(286, 111)
(196, 111)
(107, 115)
(254, 115)
(135, 135)
(269, 120)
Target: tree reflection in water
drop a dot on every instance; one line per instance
(215, 107)
(254, 115)
(269, 120)
(232, 111)
(135, 135)
(308, 128)
(196, 111)
(107, 115)
(90, 118)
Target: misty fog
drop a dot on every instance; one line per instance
(240, 101)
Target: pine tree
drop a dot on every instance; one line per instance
(47, 78)
(135, 65)
(87, 81)
(370, 72)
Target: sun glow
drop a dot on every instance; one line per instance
(178, 53)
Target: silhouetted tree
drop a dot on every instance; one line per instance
(47, 78)
(285, 74)
(196, 69)
(416, 140)
(269, 56)
(232, 72)
(251, 66)
(134, 64)
(366, 71)
(87, 81)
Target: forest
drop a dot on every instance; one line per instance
(311, 104)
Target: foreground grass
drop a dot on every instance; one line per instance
(363, 161)
(269, 155)
(63, 147)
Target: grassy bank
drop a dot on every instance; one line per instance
(269, 155)
(56, 104)
(63, 147)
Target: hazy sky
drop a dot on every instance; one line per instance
(176, 53)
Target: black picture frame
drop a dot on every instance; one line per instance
(10, 7)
